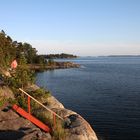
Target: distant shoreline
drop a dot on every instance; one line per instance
(110, 56)
(56, 65)
(123, 56)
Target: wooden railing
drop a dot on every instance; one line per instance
(29, 107)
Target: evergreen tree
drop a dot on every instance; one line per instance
(22, 76)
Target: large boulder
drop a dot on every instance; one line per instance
(76, 126)
(54, 103)
(79, 129)
(63, 112)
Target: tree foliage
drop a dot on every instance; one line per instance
(22, 76)
(10, 50)
(23, 53)
(59, 56)
(7, 49)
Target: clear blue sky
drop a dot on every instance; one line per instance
(82, 27)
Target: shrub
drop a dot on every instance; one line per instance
(2, 101)
(22, 102)
(12, 101)
(40, 93)
(59, 132)
(44, 116)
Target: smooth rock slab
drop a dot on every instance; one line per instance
(13, 127)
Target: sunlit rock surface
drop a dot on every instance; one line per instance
(13, 126)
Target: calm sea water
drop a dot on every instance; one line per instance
(105, 91)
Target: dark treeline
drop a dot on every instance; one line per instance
(10, 50)
(22, 76)
(59, 56)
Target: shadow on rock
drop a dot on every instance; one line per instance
(11, 135)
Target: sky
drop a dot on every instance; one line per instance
(80, 27)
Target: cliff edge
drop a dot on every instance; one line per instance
(13, 126)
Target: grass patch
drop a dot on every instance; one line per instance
(2, 101)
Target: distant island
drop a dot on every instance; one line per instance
(24, 53)
(123, 56)
(59, 56)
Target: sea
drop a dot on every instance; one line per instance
(104, 90)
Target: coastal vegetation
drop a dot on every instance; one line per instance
(13, 79)
(25, 53)
(10, 50)
(22, 77)
(59, 56)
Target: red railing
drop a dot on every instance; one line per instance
(29, 107)
(31, 118)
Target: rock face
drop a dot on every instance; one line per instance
(12, 126)
(54, 103)
(6, 92)
(77, 128)
(80, 129)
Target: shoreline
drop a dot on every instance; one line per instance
(76, 127)
(54, 65)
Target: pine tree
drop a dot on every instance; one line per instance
(22, 75)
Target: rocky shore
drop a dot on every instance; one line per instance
(13, 126)
(55, 65)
